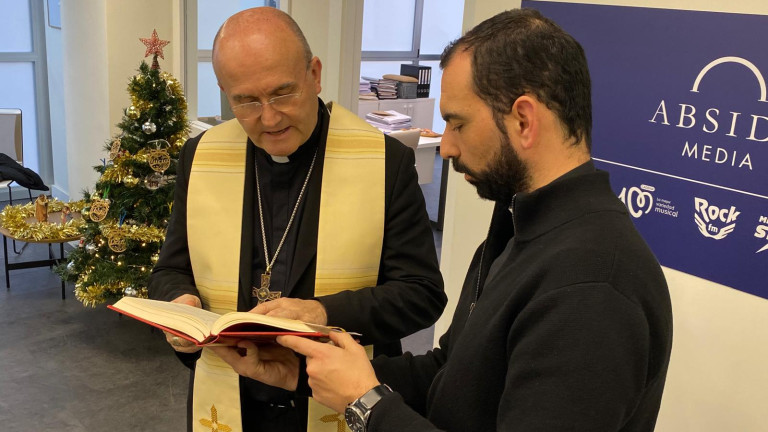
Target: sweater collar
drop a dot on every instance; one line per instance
(574, 194)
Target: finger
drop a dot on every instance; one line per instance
(283, 313)
(342, 339)
(228, 354)
(247, 344)
(168, 336)
(267, 307)
(300, 345)
(275, 352)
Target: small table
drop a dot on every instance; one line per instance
(425, 163)
(36, 263)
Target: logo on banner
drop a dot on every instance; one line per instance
(761, 232)
(714, 222)
(717, 121)
(638, 200)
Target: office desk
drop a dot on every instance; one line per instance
(425, 167)
(425, 158)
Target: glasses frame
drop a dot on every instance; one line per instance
(270, 101)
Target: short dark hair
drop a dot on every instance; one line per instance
(521, 52)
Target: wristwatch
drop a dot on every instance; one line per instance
(357, 412)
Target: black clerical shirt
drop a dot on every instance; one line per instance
(280, 182)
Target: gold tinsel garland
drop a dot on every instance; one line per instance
(14, 219)
(93, 295)
(141, 233)
(117, 172)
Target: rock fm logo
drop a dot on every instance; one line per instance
(710, 219)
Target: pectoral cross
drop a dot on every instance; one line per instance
(263, 293)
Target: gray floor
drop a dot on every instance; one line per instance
(68, 368)
(64, 367)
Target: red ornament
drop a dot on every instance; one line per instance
(154, 46)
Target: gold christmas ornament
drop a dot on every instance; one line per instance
(130, 181)
(117, 243)
(159, 160)
(99, 209)
(155, 258)
(132, 112)
(114, 150)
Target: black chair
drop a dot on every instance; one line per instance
(11, 143)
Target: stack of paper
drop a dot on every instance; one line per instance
(364, 91)
(388, 121)
(384, 88)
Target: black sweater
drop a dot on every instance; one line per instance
(572, 330)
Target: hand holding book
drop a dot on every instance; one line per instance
(204, 328)
(177, 343)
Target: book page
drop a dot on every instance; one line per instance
(235, 318)
(192, 321)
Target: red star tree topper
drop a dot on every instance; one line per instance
(154, 46)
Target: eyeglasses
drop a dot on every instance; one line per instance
(253, 110)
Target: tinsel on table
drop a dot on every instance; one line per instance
(14, 218)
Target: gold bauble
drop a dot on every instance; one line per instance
(130, 180)
(154, 258)
(132, 112)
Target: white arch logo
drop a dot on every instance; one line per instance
(739, 60)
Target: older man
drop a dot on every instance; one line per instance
(564, 322)
(294, 209)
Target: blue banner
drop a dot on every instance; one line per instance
(681, 123)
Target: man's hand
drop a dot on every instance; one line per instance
(177, 343)
(311, 311)
(269, 363)
(339, 372)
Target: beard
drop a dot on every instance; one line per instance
(505, 176)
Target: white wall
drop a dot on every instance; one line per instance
(101, 51)
(53, 46)
(86, 89)
(127, 21)
(717, 380)
(333, 29)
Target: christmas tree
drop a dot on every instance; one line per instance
(127, 213)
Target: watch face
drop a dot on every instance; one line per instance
(354, 420)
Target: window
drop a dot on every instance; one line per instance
(409, 31)
(211, 14)
(23, 78)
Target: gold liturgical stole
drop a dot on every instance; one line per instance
(350, 235)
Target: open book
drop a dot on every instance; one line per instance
(205, 328)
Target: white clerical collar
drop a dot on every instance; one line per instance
(280, 159)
